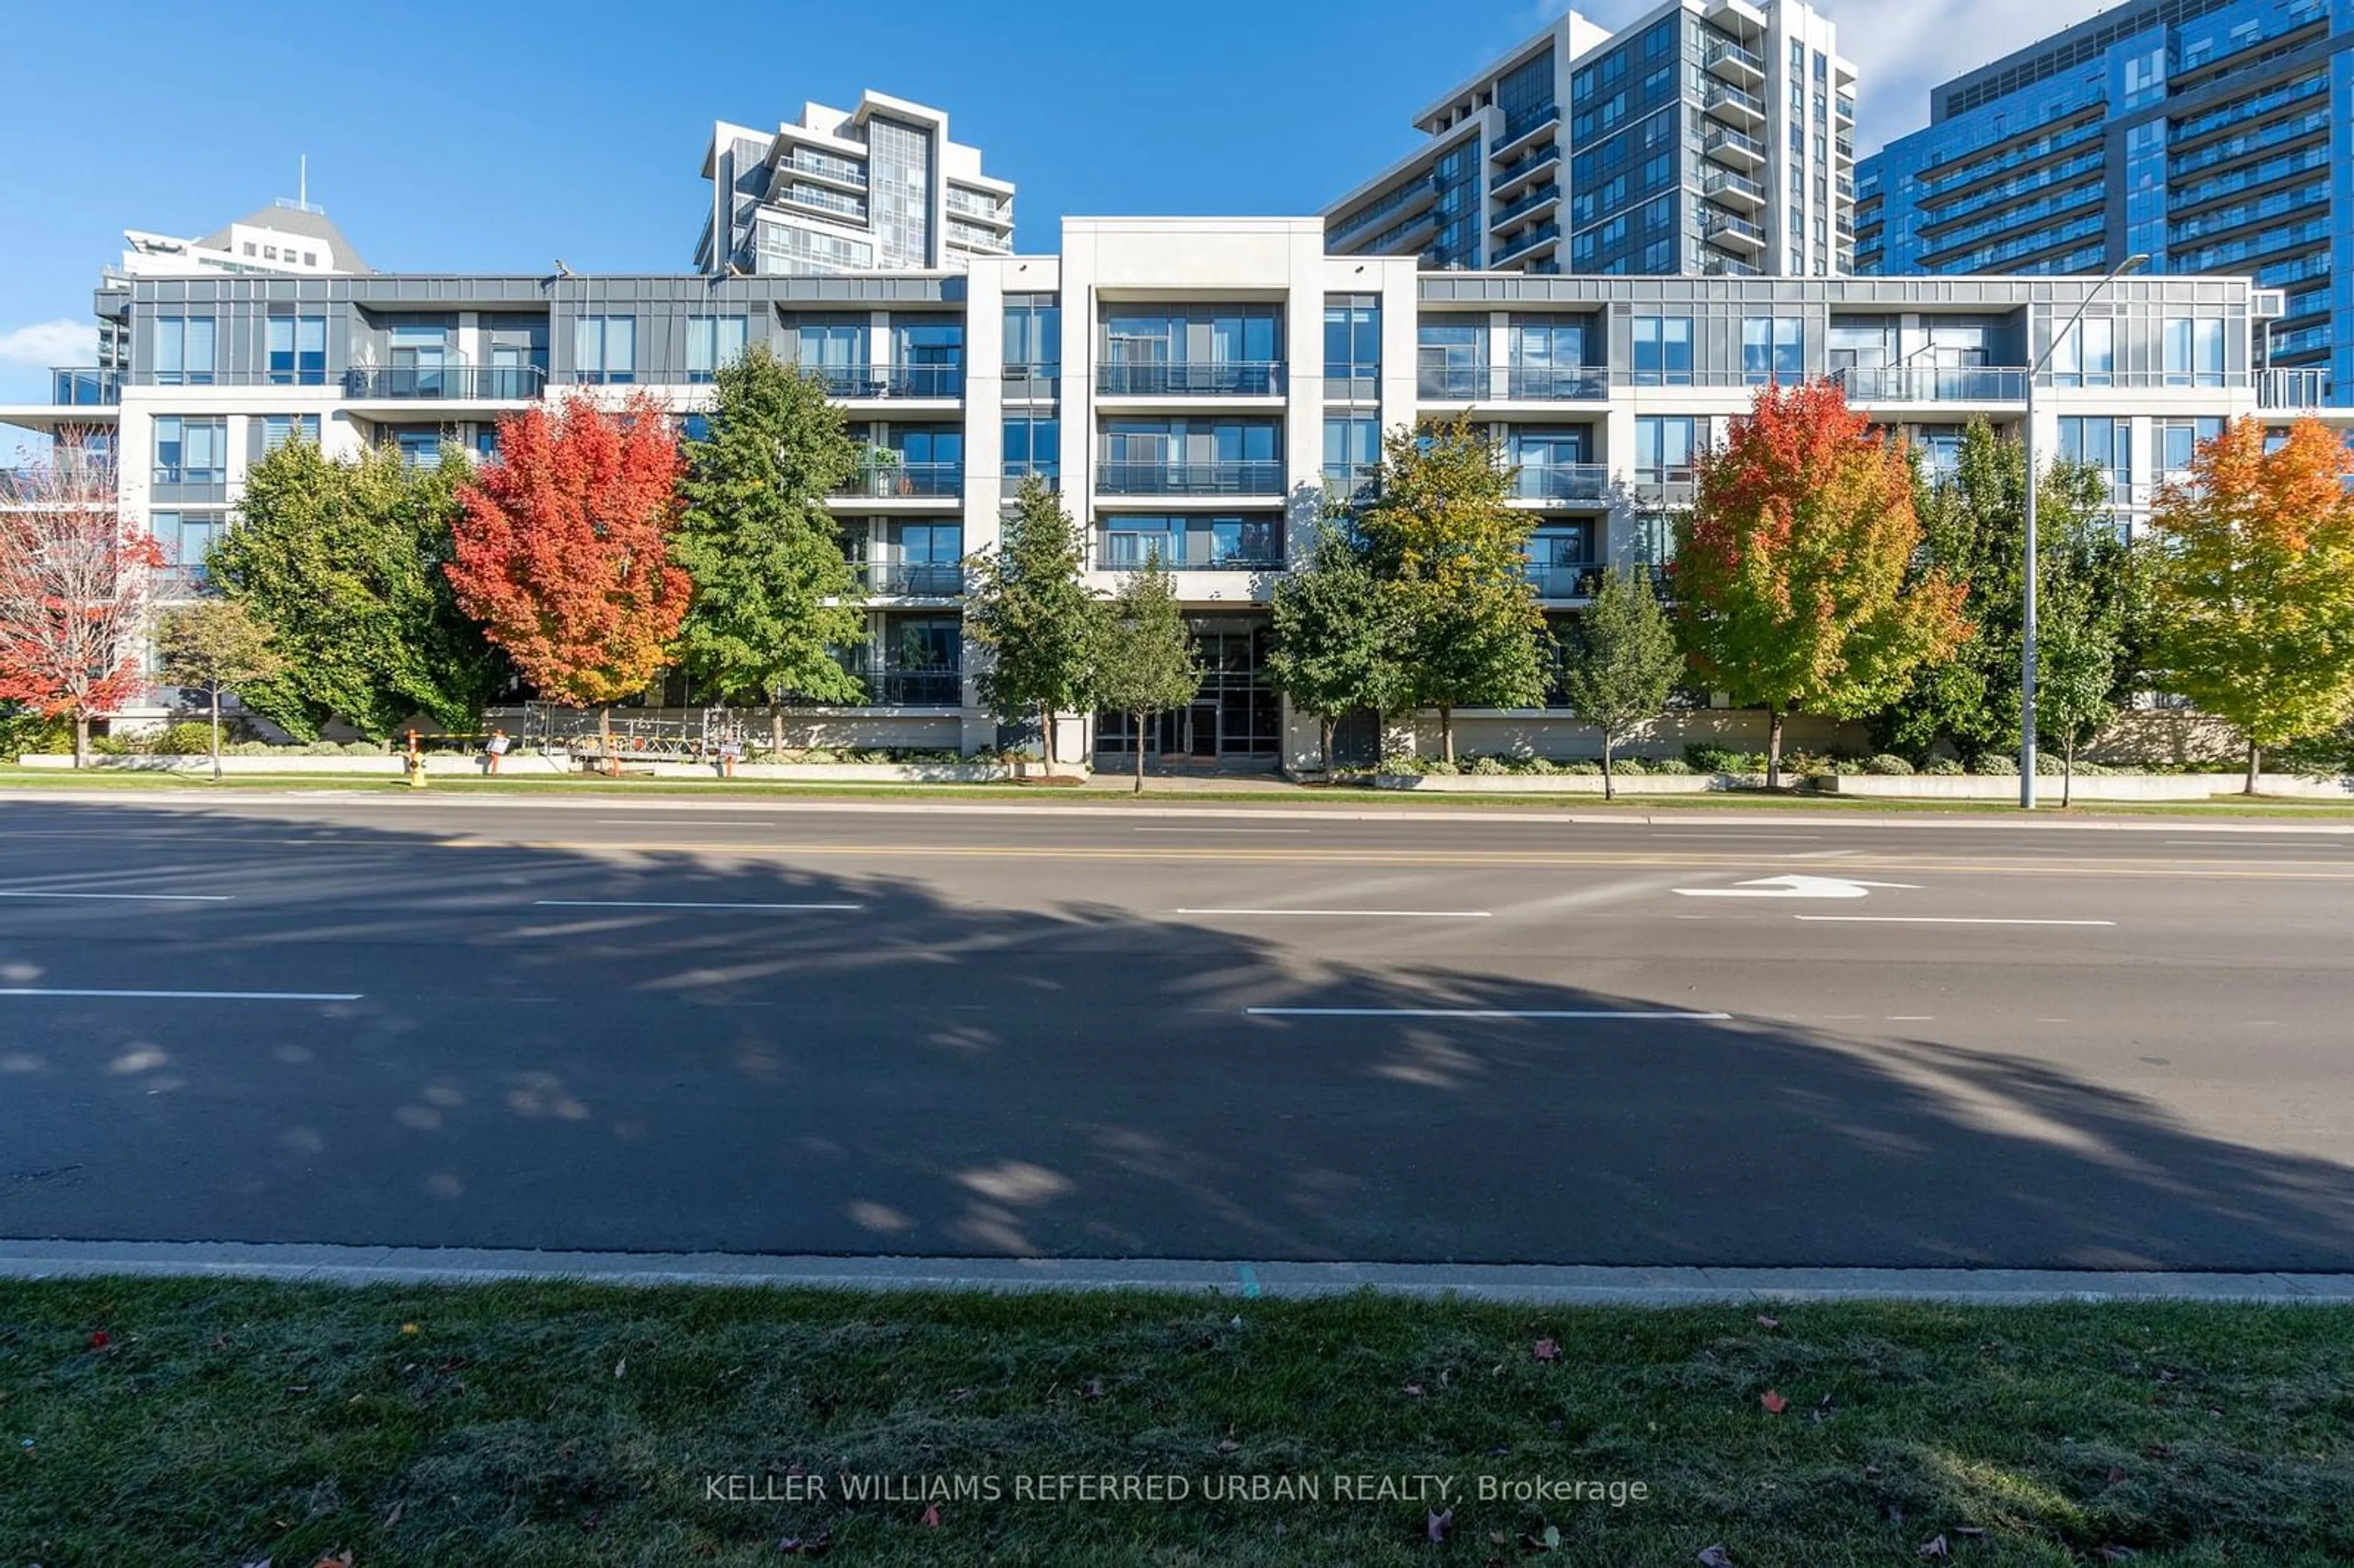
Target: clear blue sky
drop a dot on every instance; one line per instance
(497, 136)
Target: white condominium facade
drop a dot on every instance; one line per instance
(881, 186)
(1708, 137)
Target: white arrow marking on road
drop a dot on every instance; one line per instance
(1793, 886)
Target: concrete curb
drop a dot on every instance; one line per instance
(1537, 1284)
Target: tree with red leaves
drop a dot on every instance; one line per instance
(75, 577)
(1790, 569)
(562, 551)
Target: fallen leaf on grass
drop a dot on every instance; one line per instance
(1548, 1542)
(1774, 1403)
(620, 1366)
(1093, 1388)
(100, 1339)
(1715, 1557)
(1765, 1323)
(340, 1560)
(1415, 1391)
(393, 1517)
(1547, 1350)
(1936, 1547)
(932, 1517)
(1228, 1446)
(1436, 1526)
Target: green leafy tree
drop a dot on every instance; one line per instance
(1143, 662)
(1452, 555)
(342, 563)
(1791, 569)
(1029, 608)
(2253, 591)
(1623, 662)
(1337, 645)
(775, 594)
(1973, 531)
(215, 646)
(2079, 654)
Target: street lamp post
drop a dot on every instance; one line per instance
(2027, 605)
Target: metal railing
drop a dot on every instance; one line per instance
(1721, 50)
(84, 387)
(1187, 552)
(1527, 165)
(1562, 482)
(1261, 477)
(1548, 192)
(1724, 95)
(1453, 381)
(1723, 140)
(1724, 182)
(913, 579)
(483, 383)
(916, 688)
(916, 478)
(1559, 581)
(1933, 384)
(853, 381)
(1716, 264)
(1530, 241)
(1714, 222)
(1560, 382)
(1183, 377)
(2305, 389)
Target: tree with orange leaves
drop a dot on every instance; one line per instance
(1789, 572)
(2253, 584)
(562, 551)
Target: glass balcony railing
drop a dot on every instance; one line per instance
(855, 381)
(907, 478)
(1524, 243)
(1198, 552)
(1933, 384)
(1192, 378)
(1350, 484)
(1557, 383)
(445, 382)
(2292, 388)
(1243, 478)
(81, 386)
(1578, 482)
(913, 579)
(1562, 579)
(916, 688)
(1451, 382)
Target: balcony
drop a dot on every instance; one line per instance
(919, 480)
(1249, 476)
(446, 382)
(1544, 234)
(912, 580)
(1192, 378)
(1730, 189)
(1519, 131)
(1559, 383)
(1542, 158)
(1557, 579)
(2298, 389)
(1585, 483)
(915, 689)
(1742, 110)
(1736, 63)
(79, 386)
(1933, 384)
(1196, 552)
(1453, 383)
(1715, 263)
(1544, 195)
(854, 382)
(1732, 233)
(1734, 150)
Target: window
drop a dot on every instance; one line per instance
(1033, 449)
(604, 349)
(1034, 331)
(187, 539)
(1663, 351)
(2099, 442)
(1196, 542)
(277, 429)
(418, 449)
(418, 357)
(1452, 360)
(184, 351)
(2086, 355)
(191, 452)
(1664, 448)
(2194, 352)
(298, 350)
(1352, 452)
(2178, 443)
(1353, 346)
(711, 343)
(486, 437)
(1773, 348)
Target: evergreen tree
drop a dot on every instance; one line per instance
(1143, 661)
(1623, 662)
(1028, 606)
(775, 593)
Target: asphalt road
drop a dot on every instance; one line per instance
(1198, 1032)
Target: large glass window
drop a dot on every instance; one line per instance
(187, 539)
(184, 351)
(1664, 448)
(1193, 542)
(899, 170)
(277, 429)
(2194, 352)
(605, 348)
(420, 354)
(2085, 355)
(928, 358)
(1773, 348)
(191, 452)
(712, 342)
(1034, 331)
(1452, 360)
(2178, 443)
(1033, 449)
(417, 448)
(1663, 351)
(298, 350)
(1353, 346)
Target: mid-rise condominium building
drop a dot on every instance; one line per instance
(2213, 135)
(1198, 390)
(1710, 137)
(878, 187)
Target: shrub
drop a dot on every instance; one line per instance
(1721, 759)
(1942, 767)
(1542, 764)
(186, 739)
(1673, 765)
(1995, 762)
(1586, 766)
(1887, 762)
(29, 734)
(1489, 767)
(2049, 762)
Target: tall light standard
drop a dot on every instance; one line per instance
(2027, 606)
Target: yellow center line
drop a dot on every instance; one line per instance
(1519, 859)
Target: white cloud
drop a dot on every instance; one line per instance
(1902, 48)
(45, 344)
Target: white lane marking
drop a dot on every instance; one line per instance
(190, 995)
(1221, 830)
(143, 897)
(1353, 913)
(1809, 838)
(1794, 886)
(1909, 1018)
(667, 904)
(1469, 1013)
(1943, 920)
